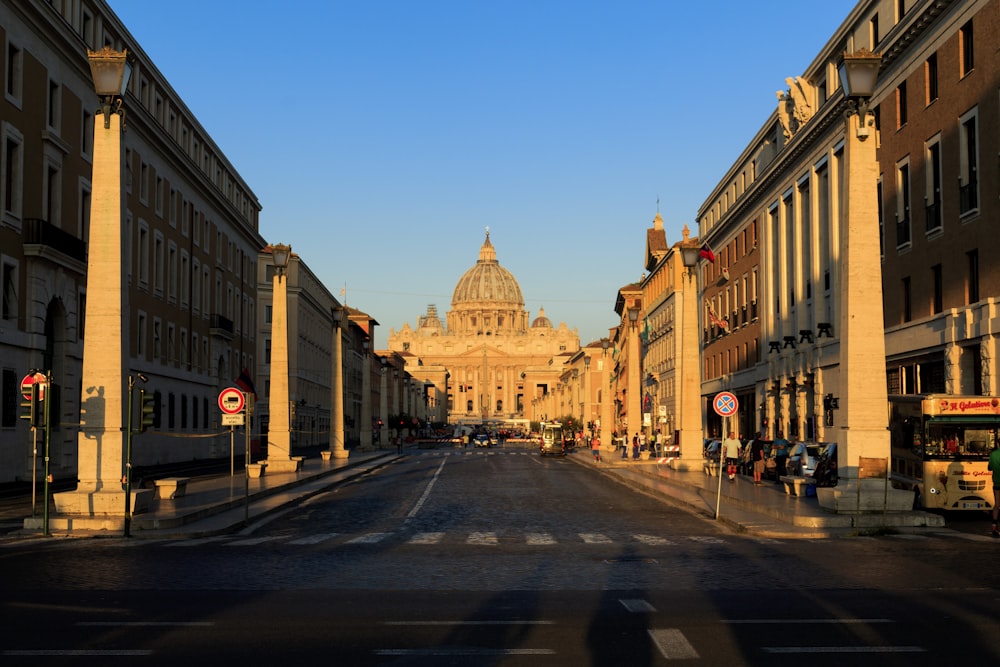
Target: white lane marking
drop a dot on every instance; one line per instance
(595, 538)
(427, 491)
(805, 621)
(78, 653)
(637, 606)
(426, 538)
(482, 538)
(652, 540)
(843, 649)
(705, 539)
(145, 624)
(673, 644)
(314, 539)
(539, 539)
(507, 622)
(464, 650)
(252, 541)
(197, 541)
(368, 538)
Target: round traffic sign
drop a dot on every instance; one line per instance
(32, 379)
(725, 404)
(231, 400)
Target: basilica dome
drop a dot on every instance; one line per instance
(487, 283)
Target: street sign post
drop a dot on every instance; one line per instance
(231, 400)
(726, 404)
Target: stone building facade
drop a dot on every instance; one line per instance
(488, 361)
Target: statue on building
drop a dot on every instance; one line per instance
(794, 107)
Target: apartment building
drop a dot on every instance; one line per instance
(190, 226)
(770, 298)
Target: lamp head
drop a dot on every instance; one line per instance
(858, 73)
(280, 254)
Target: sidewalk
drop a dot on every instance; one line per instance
(764, 510)
(213, 505)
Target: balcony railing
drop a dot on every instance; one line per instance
(902, 232)
(42, 232)
(932, 213)
(968, 197)
(221, 326)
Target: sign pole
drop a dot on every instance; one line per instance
(232, 452)
(45, 410)
(726, 404)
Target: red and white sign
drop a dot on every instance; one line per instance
(231, 401)
(725, 404)
(32, 379)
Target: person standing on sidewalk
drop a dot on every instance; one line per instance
(595, 447)
(731, 450)
(994, 465)
(780, 450)
(635, 447)
(757, 450)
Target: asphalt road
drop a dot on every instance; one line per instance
(498, 557)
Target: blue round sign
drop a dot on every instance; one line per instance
(725, 404)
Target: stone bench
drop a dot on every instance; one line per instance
(171, 487)
(796, 485)
(256, 470)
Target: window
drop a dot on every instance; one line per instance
(901, 105)
(142, 255)
(903, 211)
(13, 158)
(907, 305)
(140, 336)
(937, 297)
(931, 78)
(966, 47)
(972, 287)
(54, 106)
(933, 199)
(13, 74)
(144, 183)
(10, 288)
(87, 136)
(158, 259)
(968, 190)
(873, 33)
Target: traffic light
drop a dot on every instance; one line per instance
(147, 409)
(31, 408)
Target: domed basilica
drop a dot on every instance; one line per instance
(491, 360)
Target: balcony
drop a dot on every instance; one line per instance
(221, 326)
(42, 233)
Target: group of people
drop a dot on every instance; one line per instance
(788, 457)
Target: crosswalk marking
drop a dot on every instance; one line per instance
(426, 538)
(673, 644)
(314, 539)
(368, 538)
(480, 538)
(253, 541)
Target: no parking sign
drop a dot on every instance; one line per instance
(725, 404)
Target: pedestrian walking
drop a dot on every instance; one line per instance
(731, 450)
(399, 444)
(994, 465)
(595, 447)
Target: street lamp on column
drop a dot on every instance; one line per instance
(279, 447)
(100, 440)
(338, 448)
(605, 396)
(863, 397)
(687, 363)
(634, 408)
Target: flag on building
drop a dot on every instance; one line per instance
(245, 383)
(706, 252)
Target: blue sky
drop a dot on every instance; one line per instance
(383, 137)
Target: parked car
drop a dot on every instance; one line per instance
(482, 440)
(812, 456)
(825, 473)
